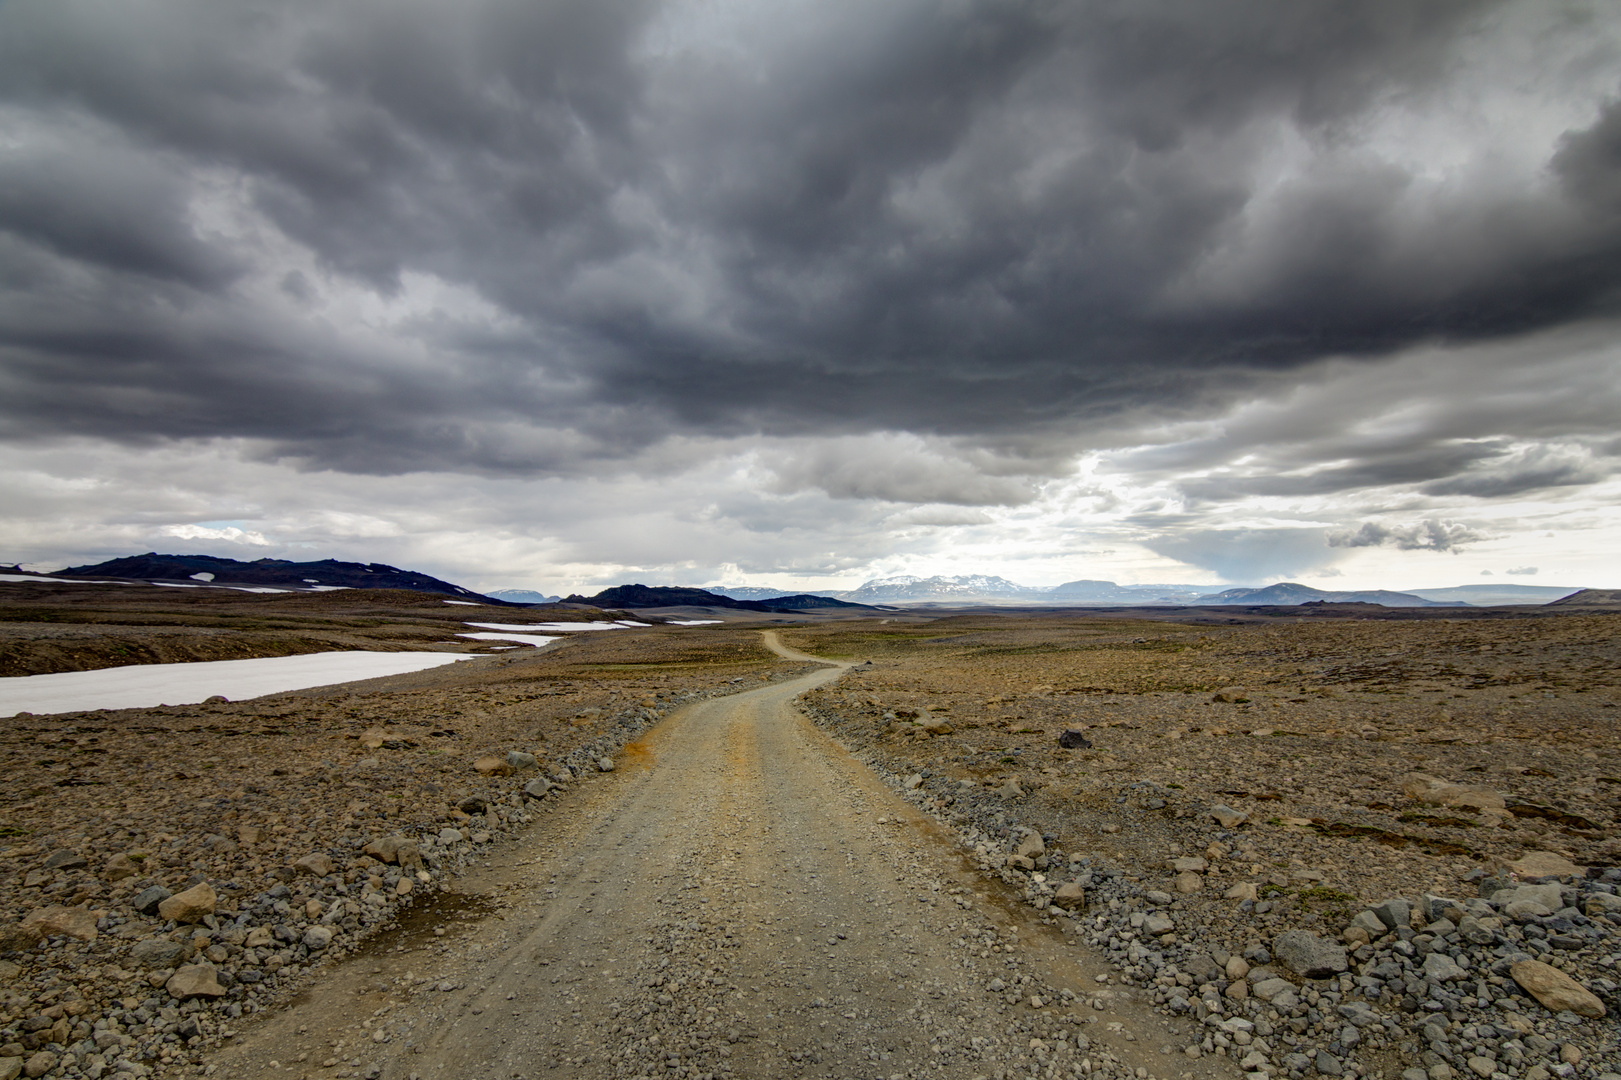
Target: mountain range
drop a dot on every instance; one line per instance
(204, 570)
(987, 589)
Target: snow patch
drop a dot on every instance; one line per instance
(551, 627)
(464, 603)
(696, 622)
(537, 640)
(204, 576)
(141, 686)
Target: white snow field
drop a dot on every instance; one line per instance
(141, 686)
(553, 627)
(537, 640)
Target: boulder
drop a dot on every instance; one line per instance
(1541, 864)
(1557, 991)
(520, 760)
(1371, 923)
(1157, 925)
(10, 1068)
(1196, 864)
(1074, 739)
(1395, 913)
(119, 867)
(1244, 890)
(158, 953)
(1439, 967)
(40, 1064)
(315, 864)
(198, 980)
(73, 922)
(1308, 955)
(389, 848)
(1070, 895)
(1187, 882)
(491, 765)
(1549, 896)
(1437, 792)
(537, 788)
(937, 725)
(1031, 847)
(318, 937)
(913, 782)
(373, 738)
(190, 906)
(1227, 817)
(147, 900)
(65, 859)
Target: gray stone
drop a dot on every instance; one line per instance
(1370, 922)
(1395, 913)
(1267, 989)
(65, 859)
(147, 901)
(1414, 1074)
(1440, 967)
(537, 788)
(913, 782)
(605, 764)
(318, 937)
(160, 953)
(1308, 955)
(520, 760)
(1549, 896)
(1328, 1064)
(10, 1068)
(1227, 817)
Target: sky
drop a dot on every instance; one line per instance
(558, 295)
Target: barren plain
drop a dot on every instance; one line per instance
(847, 848)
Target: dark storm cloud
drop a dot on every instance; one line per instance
(991, 221)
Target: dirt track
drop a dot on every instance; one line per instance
(740, 898)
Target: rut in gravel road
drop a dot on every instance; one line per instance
(741, 899)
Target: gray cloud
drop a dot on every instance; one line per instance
(1431, 535)
(970, 221)
(1523, 571)
(1245, 555)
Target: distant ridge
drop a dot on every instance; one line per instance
(523, 596)
(279, 573)
(659, 596)
(1591, 598)
(1286, 593)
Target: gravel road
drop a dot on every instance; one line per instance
(740, 898)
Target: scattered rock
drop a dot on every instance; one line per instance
(520, 760)
(1227, 817)
(537, 788)
(160, 953)
(390, 849)
(1556, 991)
(318, 937)
(71, 922)
(1437, 792)
(147, 900)
(315, 864)
(605, 764)
(1187, 882)
(1541, 864)
(65, 859)
(190, 906)
(1308, 955)
(491, 765)
(1074, 739)
(197, 980)
(120, 867)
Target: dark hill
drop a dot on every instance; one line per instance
(812, 602)
(1289, 592)
(275, 572)
(659, 596)
(1590, 598)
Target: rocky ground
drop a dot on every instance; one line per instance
(1292, 849)
(170, 872)
(1241, 785)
